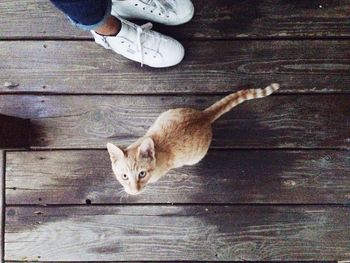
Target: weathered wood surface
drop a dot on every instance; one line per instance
(14, 132)
(214, 19)
(177, 233)
(209, 66)
(2, 202)
(314, 121)
(235, 176)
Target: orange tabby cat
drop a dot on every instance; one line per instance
(178, 137)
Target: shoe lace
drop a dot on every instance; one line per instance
(139, 31)
(143, 30)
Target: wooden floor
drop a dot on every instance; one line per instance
(275, 184)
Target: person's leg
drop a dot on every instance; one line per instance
(110, 28)
(90, 15)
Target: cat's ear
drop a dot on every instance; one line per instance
(114, 152)
(146, 149)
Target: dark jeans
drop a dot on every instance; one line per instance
(85, 14)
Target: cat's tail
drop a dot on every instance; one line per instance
(226, 104)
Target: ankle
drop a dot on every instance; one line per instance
(110, 28)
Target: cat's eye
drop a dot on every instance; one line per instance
(125, 177)
(142, 174)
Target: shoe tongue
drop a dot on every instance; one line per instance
(126, 31)
(129, 32)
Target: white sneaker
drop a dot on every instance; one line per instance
(140, 43)
(168, 12)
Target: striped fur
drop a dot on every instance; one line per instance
(178, 137)
(226, 104)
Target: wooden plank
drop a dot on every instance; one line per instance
(177, 233)
(315, 121)
(14, 132)
(214, 19)
(209, 66)
(2, 203)
(235, 176)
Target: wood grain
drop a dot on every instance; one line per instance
(14, 132)
(2, 203)
(235, 176)
(274, 185)
(177, 233)
(314, 121)
(218, 19)
(209, 66)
